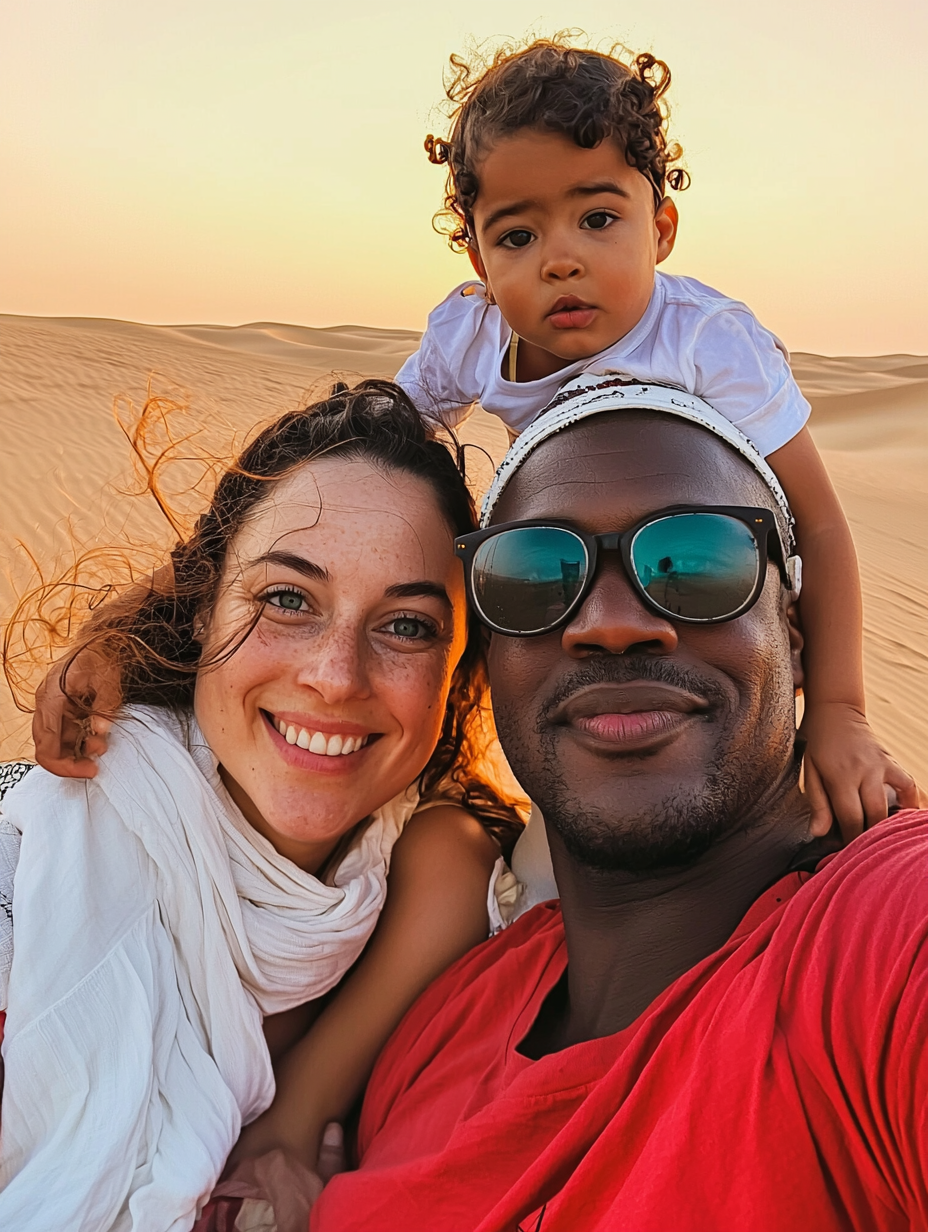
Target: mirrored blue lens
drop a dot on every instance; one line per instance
(700, 566)
(525, 579)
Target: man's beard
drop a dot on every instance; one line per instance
(670, 832)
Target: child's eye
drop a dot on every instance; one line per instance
(292, 602)
(599, 220)
(411, 628)
(516, 239)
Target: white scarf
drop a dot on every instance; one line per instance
(153, 930)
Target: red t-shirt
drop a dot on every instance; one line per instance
(780, 1086)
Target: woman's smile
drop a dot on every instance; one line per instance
(310, 747)
(331, 737)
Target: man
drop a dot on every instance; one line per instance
(716, 1028)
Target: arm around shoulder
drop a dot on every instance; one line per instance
(436, 910)
(440, 873)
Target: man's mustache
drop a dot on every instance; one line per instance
(628, 669)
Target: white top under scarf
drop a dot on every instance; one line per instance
(154, 929)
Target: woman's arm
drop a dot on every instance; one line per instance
(846, 769)
(436, 910)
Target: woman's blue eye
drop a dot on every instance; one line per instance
(410, 627)
(517, 239)
(598, 221)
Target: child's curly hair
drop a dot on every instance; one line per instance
(549, 84)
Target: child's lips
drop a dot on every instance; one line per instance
(570, 313)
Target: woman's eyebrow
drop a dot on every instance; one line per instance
(289, 560)
(415, 590)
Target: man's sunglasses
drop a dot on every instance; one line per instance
(701, 564)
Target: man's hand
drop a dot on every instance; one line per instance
(847, 775)
(70, 731)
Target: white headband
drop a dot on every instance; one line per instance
(590, 394)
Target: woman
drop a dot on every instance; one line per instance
(300, 685)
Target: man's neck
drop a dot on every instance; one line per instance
(629, 936)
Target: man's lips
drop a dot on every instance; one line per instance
(569, 312)
(628, 716)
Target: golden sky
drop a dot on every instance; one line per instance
(232, 161)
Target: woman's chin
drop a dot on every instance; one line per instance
(306, 812)
(305, 830)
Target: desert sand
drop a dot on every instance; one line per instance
(64, 460)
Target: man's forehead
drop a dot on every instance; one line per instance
(625, 465)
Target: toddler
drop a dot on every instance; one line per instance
(558, 168)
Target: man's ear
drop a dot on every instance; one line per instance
(796, 643)
(666, 220)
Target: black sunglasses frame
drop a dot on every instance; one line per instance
(760, 522)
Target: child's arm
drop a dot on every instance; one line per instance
(846, 770)
(441, 378)
(436, 910)
(70, 730)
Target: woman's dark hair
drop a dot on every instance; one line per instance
(150, 632)
(589, 96)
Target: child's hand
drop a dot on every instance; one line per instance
(69, 734)
(273, 1131)
(278, 1192)
(278, 1189)
(847, 773)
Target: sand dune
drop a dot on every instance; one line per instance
(63, 451)
(870, 419)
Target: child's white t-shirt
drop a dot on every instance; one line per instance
(690, 336)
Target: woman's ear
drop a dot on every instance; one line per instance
(796, 643)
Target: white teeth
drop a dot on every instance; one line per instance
(318, 742)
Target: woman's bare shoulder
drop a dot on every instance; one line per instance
(444, 831)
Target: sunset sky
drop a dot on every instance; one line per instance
(230, 161)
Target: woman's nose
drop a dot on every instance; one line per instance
(613, 620)
(336, 668)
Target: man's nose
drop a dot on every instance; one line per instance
(337, 668)
(613, 620)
